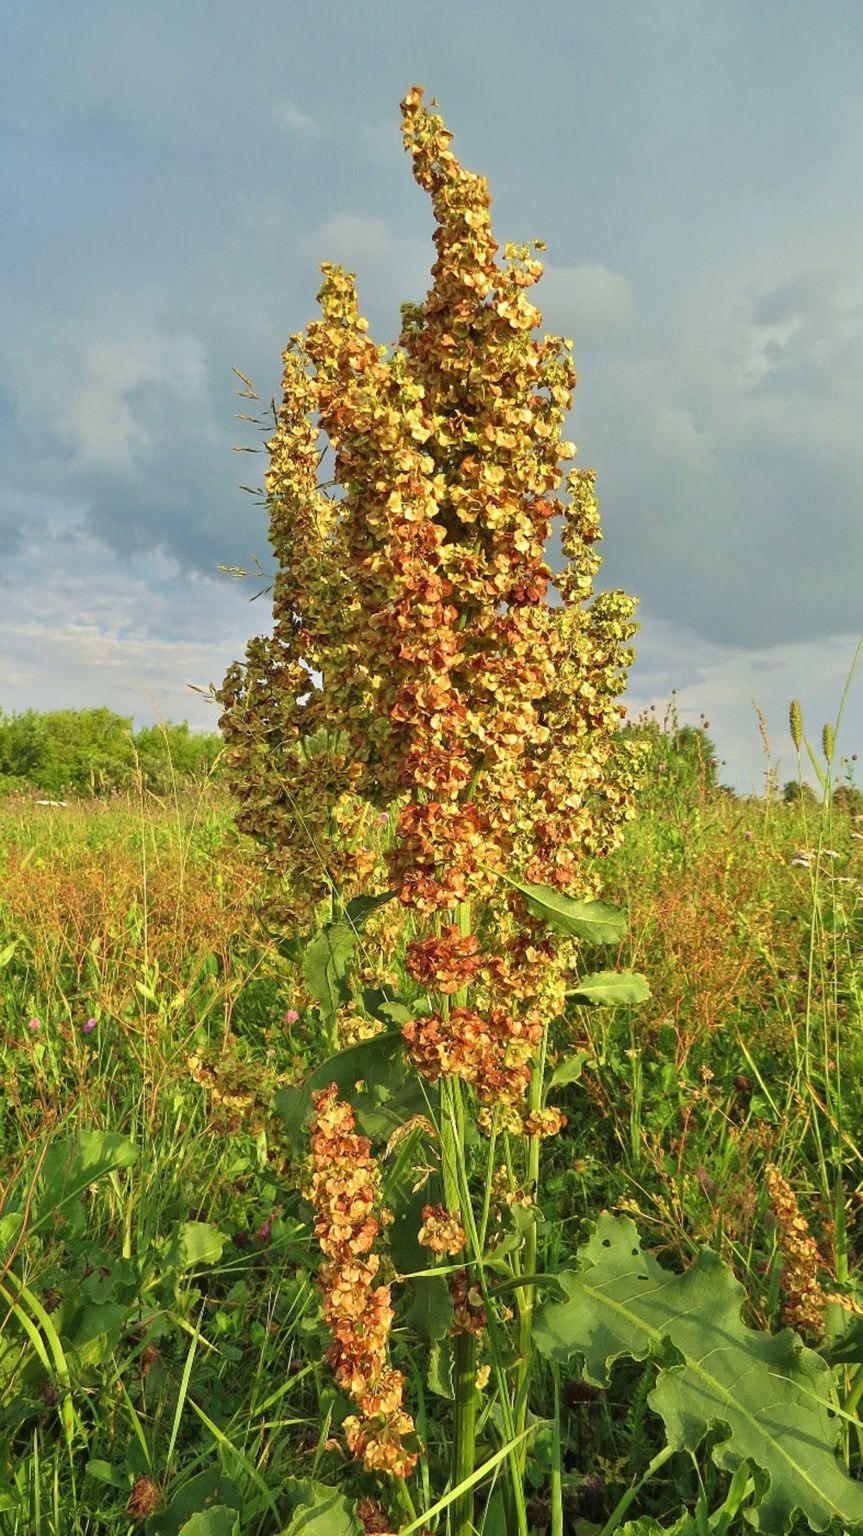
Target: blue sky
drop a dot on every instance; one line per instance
(172, 174)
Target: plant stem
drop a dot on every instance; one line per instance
(526, 1292)
(464, 1444)
(464, 1344)
(623, 1504)
(556, 1461)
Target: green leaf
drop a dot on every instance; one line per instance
(595, 921)
(327, 955)
(570, 1070)
(770, 1395)
(431, 1308)
(440, 1369)
(390, 1010)
(194, 1243)
(218, 1520)
(611, 989)
(319, 1511)
(103, 1472)
(379, 1063)
(325, 966)
(360, 907)
(73, 1163)
(208, 1491)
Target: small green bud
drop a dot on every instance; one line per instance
(795, 720)
(828, 742)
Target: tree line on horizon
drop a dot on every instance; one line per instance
(88, 752)
(96, 752)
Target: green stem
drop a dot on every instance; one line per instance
(556, 1461)
(464, 1344)
(500, 1374)
(526, 1293)
(623, 1504)
(464, 1446)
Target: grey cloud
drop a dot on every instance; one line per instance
(730, 468)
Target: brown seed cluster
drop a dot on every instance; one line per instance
(344, 1190)
(493, 1049)
(804, 1298)
(441, 1232)
(414, 635)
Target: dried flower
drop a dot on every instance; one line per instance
(804, 1303)
(145, 1499)
(417, 668)
(344, 1190)
(441, 1232)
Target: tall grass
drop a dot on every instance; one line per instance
(159, 1331)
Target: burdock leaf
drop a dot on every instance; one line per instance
(611, 989)
(595, 921)
(769, 1395)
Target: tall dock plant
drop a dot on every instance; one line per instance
(417, 624)
(472, 695)
(470, 691)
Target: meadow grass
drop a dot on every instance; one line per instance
(161, 1335)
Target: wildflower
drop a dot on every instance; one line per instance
(34, 1025)
(88, 1028)
(291, 1016)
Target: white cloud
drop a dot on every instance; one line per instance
(292, 118)
(586, 302)
(109, 415)
(82, 628)
(721, 682)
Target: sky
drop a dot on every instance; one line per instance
(173, 173)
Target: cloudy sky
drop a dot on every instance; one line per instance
(171, 174)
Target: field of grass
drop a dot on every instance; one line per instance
(161, 1344)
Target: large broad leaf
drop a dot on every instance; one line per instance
(327, 955)
(391, 1090)
(72, 1164)
(319, 1511)
(220, 1520)
(769, 1395)
(192, 1244)
(325, 966)
(431, 1307)
(208, 1493)
(594, 921)
(611, 989)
